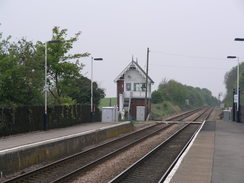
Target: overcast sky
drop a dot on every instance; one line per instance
(189, 40)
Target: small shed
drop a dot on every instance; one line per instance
(110, 114)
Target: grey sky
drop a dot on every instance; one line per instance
(189, 40)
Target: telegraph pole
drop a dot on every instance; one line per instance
(146, 103)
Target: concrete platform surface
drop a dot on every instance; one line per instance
(25, 152)
(228, 164)
(18, 140)
(216, 156)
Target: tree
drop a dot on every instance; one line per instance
(230, 84)
(20, 73)
(63, 67)
(82, 91)
(177, 93)
(156, 97)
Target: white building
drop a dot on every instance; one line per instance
(131, 91)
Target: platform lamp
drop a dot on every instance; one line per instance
(92, 110)
(237, 99)
(239, 39)
(45, 120)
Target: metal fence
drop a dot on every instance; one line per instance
(30, 118)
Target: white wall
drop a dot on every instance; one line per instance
(134, 76)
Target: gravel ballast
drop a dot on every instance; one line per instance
(113, 166)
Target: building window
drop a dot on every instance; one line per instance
(139, 87)
(128, 86)
(143, 86)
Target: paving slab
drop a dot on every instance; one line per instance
(196, 167)
(13, 141)
(216, 156)
(228, 166)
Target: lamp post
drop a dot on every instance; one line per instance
(45, 121)
(237, 88)
(93, 59)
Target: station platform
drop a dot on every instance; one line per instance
(20, 153)
(25, 139)
(216, 155)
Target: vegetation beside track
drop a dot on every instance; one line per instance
(159, 110)
(230, 83)
(172, 97)
(164, 109)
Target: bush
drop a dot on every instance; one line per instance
(156, 97)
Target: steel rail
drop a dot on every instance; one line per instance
(179, 155)
(89, 166)
(104, 158)
(205, 114)
(90, 150)
(210, 112)
(140, 162)
(183, 115)
(93, 163)
(201, 114)
(164, 176)
(98, 161)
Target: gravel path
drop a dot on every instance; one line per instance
(109, 169)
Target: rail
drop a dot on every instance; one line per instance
(69, 167)
(86, 158)
(150, 167)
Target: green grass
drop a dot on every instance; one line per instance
(158, 110)
(105, 102)
(164, 109)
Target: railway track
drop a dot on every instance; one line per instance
(60, 170)
(184, 115)
(64, 169)
(204, 114)
(156, 165)
(153, 165)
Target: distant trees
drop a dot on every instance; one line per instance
(178, 94)
(22, 72)
(230, 84)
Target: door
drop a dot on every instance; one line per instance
(140, 113)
